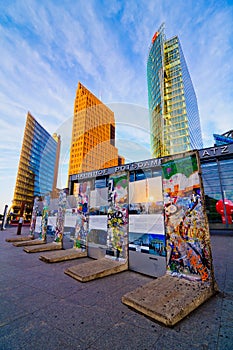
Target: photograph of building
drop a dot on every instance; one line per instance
(37, 170)
(93, 134)
(174, 117)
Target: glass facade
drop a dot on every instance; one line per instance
(93, 134)
(216, 167)
(155, 79)
(174, 117)
(37, 163)
(222, 140)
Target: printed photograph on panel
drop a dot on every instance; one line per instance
(146, 220)
(97, 233)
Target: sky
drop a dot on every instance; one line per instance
(47, 47)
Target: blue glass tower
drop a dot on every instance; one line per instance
(174, 117)
(37, 167)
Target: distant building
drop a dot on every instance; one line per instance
(38, 167)
(174, 116)
(55, 190)
(93, 134)
(223, 139)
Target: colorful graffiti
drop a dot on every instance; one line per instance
(187, 233)
(44, 220)
(117, 237)
(60, 217)
(34, 215)
(81, 226)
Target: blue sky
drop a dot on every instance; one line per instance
(48, 46)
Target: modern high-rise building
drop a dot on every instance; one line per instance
(174, 117)
(93, 134)
(223, 139)
(38, 168)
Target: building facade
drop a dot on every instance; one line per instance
(174, 117)
(223, 139)
(217, 176)
(93, 134)
(37, 170)
(216, 167)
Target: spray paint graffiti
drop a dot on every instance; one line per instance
(117, 234)
(60, 217)
(44, 220)
(34, 215)
(81, 226)
(187, 234)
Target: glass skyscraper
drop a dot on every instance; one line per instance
(174, 117)
(93, 134)
(37, 170)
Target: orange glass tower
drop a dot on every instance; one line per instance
(93, 134)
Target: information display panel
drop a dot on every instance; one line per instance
(146, 227)
(97, 233)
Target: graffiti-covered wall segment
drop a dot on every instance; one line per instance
(117, 233)
(81, 225)
(187, 233)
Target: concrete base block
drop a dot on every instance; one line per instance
(63, 255)
(168, 299)
(29, 243)
(19, 238)
(96, 269)
(43, 248)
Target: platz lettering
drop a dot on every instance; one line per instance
(224, 149)
(214, 151)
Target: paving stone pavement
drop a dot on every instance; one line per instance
(43, 308)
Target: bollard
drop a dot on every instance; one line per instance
(20, 224)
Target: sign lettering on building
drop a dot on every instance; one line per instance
(125, 167)
(216, 151)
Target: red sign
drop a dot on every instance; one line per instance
(155, 37)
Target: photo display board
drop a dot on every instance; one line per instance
(146, 221)
(97, 233)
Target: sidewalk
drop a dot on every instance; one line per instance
(43, 308)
